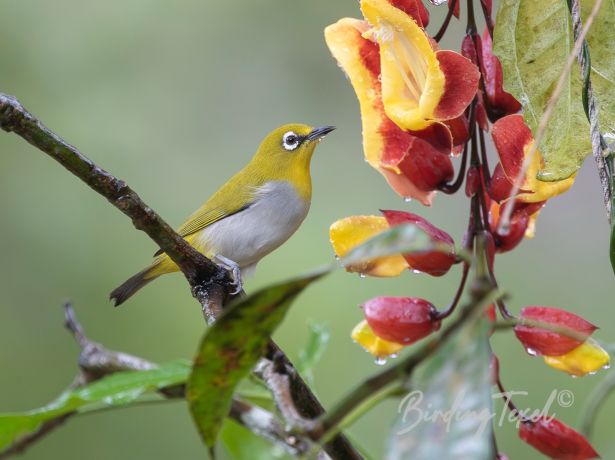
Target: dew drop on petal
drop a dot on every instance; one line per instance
(362, 275)
(380, 361)
(606, 366)
(416, 271)
(407, 199)
(531, 351)
(437, 2)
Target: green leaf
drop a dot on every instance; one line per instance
(115, 390)
(447, 411)
(231, 348)
(313, 351)
(600, 38)
(533, 40)
(401, 239)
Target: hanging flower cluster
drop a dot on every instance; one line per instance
(421, 108)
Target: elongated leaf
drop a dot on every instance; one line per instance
(313, 351)
(601, 40)
(533, 40)
(115, 390)
(401, 239)
(447, 411)
(231, 348)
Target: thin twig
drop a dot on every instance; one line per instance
(504, 226)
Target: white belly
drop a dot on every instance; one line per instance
(249, 235)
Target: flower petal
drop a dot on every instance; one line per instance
(380, 348)
(425, 157)
(347, 233)
(587, 358)
(412, 82)
(413, 8)
(461, 83)
(513, 141)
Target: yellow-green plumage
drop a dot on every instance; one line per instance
(253, 212)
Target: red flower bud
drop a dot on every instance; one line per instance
(402, 320)
(543, 342)
(435, 263)
(500, 103)
(556, 439)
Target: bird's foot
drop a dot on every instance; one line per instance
(233, 267)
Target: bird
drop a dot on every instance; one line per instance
(252, 214)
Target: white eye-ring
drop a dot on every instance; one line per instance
(290, 140)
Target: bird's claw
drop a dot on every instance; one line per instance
(233, 267)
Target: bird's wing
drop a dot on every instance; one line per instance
(205, 217)
(218, 207)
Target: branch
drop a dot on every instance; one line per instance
(209, 283)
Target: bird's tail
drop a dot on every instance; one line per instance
(131, 285)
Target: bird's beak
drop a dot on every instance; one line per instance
(319, 133)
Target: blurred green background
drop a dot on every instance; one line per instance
(174, 97)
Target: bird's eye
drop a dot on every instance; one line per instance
(290, 141)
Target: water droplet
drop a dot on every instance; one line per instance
(531, 351)
(362, 275)
(416, 271)
(380, 361)
(437, 2)
(337, 257)
(606, 366)
(393, 356)
(407, 199)
(504, 229)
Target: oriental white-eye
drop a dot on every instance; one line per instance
(253, 213)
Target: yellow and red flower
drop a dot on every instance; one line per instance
(513, 140)
(349, 232)
(576, 356)
(407, 89)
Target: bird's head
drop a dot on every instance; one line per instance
(287, 150)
